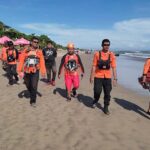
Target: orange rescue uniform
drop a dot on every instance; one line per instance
(146, 67)
(99, 73)
(7, 52)
(25, 54)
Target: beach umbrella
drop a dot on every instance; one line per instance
(22, 41)
(4, 39)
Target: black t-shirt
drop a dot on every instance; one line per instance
(49, 54)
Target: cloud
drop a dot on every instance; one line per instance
(127, 34)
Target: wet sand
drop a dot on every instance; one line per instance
(56, 124)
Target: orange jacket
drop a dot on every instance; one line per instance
(104, 56)
(19, 55)
(25, 54)
(146, 67)
(7, 52)
(2, 53)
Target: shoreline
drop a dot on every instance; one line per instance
(145, 94)
(122, 88)
(129, 70)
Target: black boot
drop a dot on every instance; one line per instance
(11, 82)
(74, 92)
(106, 111)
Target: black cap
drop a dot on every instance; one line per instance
(10, 43)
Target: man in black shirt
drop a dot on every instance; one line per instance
(50, 53)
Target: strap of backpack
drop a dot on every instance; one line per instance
(99, 55)
(109, 57)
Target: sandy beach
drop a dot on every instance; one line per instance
(58, 125)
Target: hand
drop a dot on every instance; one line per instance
(59, 76)
(82, 75)
(91, 80)
(144, 79)
(21, 75)
(114, 82)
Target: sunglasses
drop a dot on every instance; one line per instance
(35, 42)
(106, 44)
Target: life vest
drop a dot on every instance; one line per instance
(11, 55)
(145, 85)
(32, 62)
(103, 64)
(71, 63)
(148, 76)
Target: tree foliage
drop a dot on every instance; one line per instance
(14, 34)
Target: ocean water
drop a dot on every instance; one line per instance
(129, 68)
(138, 54)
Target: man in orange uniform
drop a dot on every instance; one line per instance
(71, 63)
(31, 62)
(5, 46)
(4, 64)
(146, 77)
(10, 56)
(103, 62)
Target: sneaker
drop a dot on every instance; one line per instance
(33, 104)
(94, 104)
(53, 83)
(18, 81)
(74, 92)
(10, 83)
(68, 99)
(106, 111)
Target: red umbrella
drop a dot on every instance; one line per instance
(22, 41)
(5, 39)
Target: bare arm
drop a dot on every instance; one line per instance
(114, 71)
(146, 69)
(80, 62)
(61, 64)
(114, 76)
(92, 74)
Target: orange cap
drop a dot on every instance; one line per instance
(70, 46)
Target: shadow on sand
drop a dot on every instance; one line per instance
(62, 92)
(87, 101)
(131, 107)
(26, 94)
